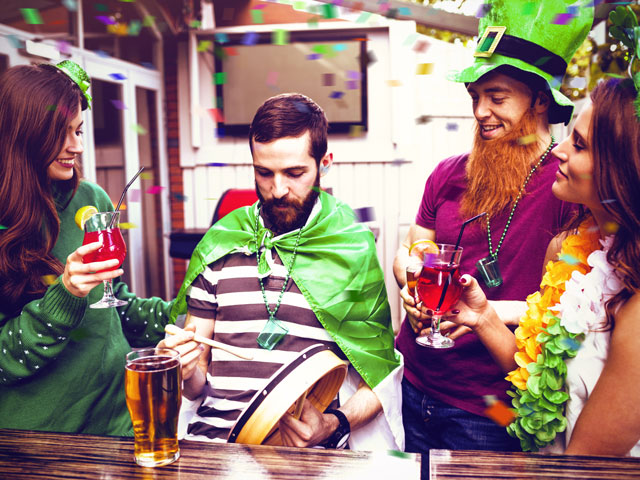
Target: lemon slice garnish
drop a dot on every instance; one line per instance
(83, 214)
(420, 247)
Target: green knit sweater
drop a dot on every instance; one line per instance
(62, 363)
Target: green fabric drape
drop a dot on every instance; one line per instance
(336, 269)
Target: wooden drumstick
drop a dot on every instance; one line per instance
(172, 329)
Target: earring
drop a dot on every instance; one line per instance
(323, 169)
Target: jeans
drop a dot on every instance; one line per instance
(430, 423)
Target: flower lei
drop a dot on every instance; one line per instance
(544, 345)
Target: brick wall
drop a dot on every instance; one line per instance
(175, 172)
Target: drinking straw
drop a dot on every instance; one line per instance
(124, 192)
(453, 254)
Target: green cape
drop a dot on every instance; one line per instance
(336, 269)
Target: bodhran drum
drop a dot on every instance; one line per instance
(316, 374)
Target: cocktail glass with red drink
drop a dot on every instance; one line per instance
(439, 289)
(104, 227)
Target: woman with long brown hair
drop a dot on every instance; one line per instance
(61, 363)
(574, 364)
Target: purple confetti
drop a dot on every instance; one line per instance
(429, 259)
(216, 164)
(314, 56)
(106, 20)
(352, 85)
(64, 47)
(117, 76)
(336, 94)
(562, 19)
(134, 195)
(365, 214)
(452, 127)
(354, 75)
(250, 38)
(483, 10)
(119, 104)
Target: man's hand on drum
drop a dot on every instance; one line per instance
(420, 318)
(311, 429)
(188, 348)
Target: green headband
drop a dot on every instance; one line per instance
(78, 75)
(626, 30)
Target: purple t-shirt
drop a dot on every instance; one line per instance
(462, 375)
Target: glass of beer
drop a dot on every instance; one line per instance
(153, 388)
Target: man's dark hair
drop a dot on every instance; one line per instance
(291, 115)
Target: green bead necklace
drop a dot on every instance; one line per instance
(488, 266)
(274, 330)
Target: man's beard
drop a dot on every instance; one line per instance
(296, 214)
(497, 168)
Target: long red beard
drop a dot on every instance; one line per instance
(497, 168)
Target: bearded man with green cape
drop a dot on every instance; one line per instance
(295, 269)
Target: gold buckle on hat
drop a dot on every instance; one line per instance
(489, 41)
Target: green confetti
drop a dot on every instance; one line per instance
(220, 78)
(149, 21)
(101, 7)
(256, 16)
(280, 37)
(139, 129)
(134, 27)
(204, 45)
(364, 16)
(2, 227)
(195, 24)
(313, 22)
(31, 16)
(52, 108)
(329, 11)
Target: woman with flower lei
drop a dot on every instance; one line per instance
(575, 361)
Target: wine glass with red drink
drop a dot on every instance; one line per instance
(105, 227)
(439, 289)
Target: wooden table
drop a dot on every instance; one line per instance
(467, 464)
(40, 455)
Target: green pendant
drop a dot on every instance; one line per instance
(272, 333)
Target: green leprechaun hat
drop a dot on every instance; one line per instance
(538, 37)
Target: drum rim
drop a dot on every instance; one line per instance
(275, 380)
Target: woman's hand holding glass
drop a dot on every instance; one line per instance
(80, 278)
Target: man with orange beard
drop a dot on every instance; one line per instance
(508, 174)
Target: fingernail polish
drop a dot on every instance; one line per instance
(455, 312)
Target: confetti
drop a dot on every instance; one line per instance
(217, 114)
(364, 16)
(301, 107)
(336, 94)
(127, 225)
(117, 76)
(222, 37)
(609, 200)
(484, 9)
(230, 51)
(71, 5)
(421, 46)
(52, 108)
(314, 56)
(328, 79)
(220, 78)
(313, 22)
(272, 79)
(570, 343)
(148, 21)
(452, 127)
(369, 58)
(354, 75)
(578, 82)
(195, 23)
(329, 11)
(2, 227)
(394, 83)
(102, 54)
(139, 129)
(528, 139)
(31, 16)
(49, 279)
(323, 49)
(216, 164)
(101, 7)
(423, 119)
(220, 53)
(351, 85)
(568, 259)
(250, 38)
(410, 40)
(424, 69)
(15, 41)
(562, 19)
(204, 45)
(106, 20)
(256, 16)
(365, 214)
(179, 197)
(339, 47)
(611, 227)
(356, 131)
(134, 195)
(404, 11)
(155, 189)
(220, 131)
(280, 37)
(498, 411)
(119, 104)
(63, 47)
(146, 176)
